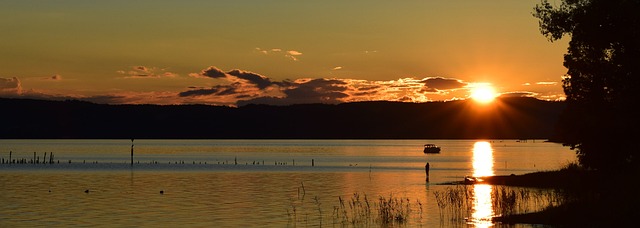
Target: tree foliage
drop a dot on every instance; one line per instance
(602, 81)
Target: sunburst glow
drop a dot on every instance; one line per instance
(483, 93)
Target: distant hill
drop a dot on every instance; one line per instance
(506, 118)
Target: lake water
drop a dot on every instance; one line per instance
(254, 183)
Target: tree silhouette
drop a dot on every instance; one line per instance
(602, 81)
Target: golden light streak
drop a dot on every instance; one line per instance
(482, 166)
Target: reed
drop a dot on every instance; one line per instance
(393, 210)
(317, 203)
(505, 200)
(456, 203)
(356, 210)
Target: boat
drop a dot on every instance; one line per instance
(471, 180)
(431, 149)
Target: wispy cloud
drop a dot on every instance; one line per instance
(546, 83)
(290, 54)
(296, 53)
(293, 55)
(147, 72)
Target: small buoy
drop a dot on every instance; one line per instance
(86, 191)
(161, 191)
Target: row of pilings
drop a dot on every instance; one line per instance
(34, 160)
(51, 156)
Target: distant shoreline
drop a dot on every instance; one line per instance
(508, 118)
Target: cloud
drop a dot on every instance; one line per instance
(519, 94)
(249, 87)
(296, 53)
(236, 76)
(218, 90)
(291, 54)
(256, 79)
(439, 83)
(326, 91)
(234, 85)
(245, 87)
(213, 72)
(318, 91)
(147, 72)
(240, 87)
(10, 86)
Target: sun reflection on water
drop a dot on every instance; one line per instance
(482, 159)
(482, 166)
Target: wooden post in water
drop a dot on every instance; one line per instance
(131, 152)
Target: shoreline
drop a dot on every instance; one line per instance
(596, 199)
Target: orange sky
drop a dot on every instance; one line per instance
(274, 52)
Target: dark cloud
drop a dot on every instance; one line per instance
(305, 91)
(213, 72)
(327, 91)
(442, 83)
(219, 90)
(243, 96)
(198, 92)
(227, 91)
(323, 89)
(367, 88)
(253, 78)
(236, 75)
(366, 93)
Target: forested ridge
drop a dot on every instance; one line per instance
(505, 118)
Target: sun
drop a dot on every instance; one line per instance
(483, 93)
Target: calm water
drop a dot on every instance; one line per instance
(249, 183)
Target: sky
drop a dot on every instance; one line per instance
(279, 52)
